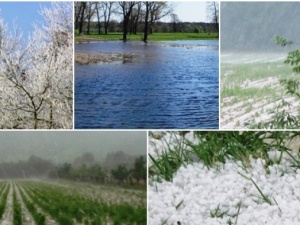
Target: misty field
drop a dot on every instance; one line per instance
(69, 203)
(251, 91)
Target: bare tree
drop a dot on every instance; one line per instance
(135, 17)
(97, 9)
(154, 11)
(149, 6)
(159, 10)
(107, 8)
(174, 20)
(79, 15)
(212, 10)
(90, 12)
(126, 12)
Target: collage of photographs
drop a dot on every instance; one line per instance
(149, 113)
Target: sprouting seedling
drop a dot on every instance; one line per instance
(280, 212)
(165, 221)
(179, 204)
(218, 213)
(238, 212)
(264, 197)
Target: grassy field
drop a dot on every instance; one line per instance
(252, 92)
(151, 37)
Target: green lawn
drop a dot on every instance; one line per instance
(151, 37)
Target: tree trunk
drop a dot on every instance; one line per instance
(98, 20)
(83, 6)
(124, 31)
(146, 22)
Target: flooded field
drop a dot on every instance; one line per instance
(166, 85)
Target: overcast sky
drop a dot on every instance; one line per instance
(61, 146)
(187, 11)
(190, 11)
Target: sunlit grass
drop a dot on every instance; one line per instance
(151, 37)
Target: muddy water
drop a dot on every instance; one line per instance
(168, 85)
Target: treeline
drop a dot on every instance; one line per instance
(33, 167)
(135, 16)
(125, 169)
(122, 174)
(158, 27)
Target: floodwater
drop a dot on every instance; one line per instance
(168, 85)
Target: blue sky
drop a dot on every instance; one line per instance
(24, 13)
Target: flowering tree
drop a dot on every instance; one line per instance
(36, 78)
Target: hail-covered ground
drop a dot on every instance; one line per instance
(229, 194)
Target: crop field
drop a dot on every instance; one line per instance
(251, 91)
(29, 202)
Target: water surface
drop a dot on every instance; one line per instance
(168, 85)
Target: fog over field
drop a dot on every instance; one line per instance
(65, 146)
(250, 26)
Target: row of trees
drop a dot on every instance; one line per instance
(36, 77)
(33, 167)
(83, 168)
(135, 16)
(121, 174)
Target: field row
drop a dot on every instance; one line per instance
(40, 203)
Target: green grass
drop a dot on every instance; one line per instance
(151, 37)
(263, 196)
(214, 148)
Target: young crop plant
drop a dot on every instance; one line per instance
(3, 193)
(17, 210)
(38, 217)
(69, 208)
